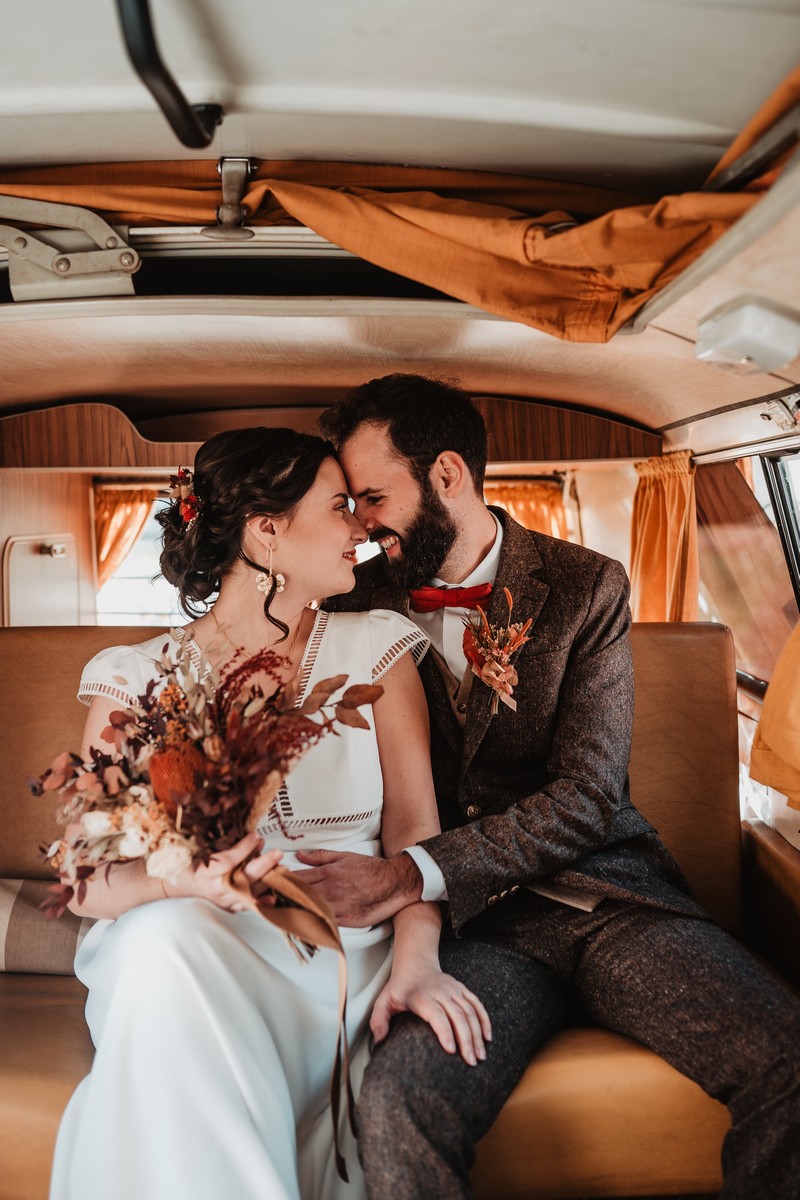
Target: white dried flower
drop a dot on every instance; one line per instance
(169, 860)
(97, 824)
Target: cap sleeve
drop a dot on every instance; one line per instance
(391, 636)
(123, 672)
(115, 672)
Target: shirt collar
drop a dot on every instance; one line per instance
(486, 570)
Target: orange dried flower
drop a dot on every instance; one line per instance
(176, 772)
(488, 650)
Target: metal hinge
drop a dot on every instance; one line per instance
(74, 252)
(785, 412)
(231, 214)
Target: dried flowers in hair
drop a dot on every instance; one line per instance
(488, 650)
(182, 490)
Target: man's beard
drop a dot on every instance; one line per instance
(425, 545)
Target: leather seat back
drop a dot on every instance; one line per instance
(40, 668)
(683, 765)
(685, 761)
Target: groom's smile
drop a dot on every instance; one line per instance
(401, 514)
(389, 542)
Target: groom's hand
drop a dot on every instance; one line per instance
(362, 890)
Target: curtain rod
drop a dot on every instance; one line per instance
(553, 477)
(132, 484)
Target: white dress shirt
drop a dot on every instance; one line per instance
(445, 626)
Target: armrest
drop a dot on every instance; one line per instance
(771, 878)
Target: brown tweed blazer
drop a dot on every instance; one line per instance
(541, 793)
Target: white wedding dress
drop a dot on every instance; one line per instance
(214, 1043)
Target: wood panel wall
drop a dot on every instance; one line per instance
(46, 504)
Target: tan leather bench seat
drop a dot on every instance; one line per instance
(595, 1114)
(45, 1050)
(588, 1095)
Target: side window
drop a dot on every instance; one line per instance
(782, 480)
(744, 580)
(132, 596)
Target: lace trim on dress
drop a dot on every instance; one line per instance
(280, 812)
(416, 642)
(95, 688)
(312, 650)
(273, 824)
(186, 641)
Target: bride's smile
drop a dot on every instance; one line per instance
(314, 547)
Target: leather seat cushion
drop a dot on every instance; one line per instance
(596, 1114)
(45, 1050)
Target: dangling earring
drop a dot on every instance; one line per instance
(264, 581)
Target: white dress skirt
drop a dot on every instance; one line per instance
(214, 1043)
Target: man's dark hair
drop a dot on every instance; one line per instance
(424, 417)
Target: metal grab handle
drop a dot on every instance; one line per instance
(193, 124)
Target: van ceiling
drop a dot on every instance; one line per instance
(641, 94)
(644, 93)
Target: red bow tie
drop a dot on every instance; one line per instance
(429, 599)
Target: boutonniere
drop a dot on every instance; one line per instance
(489, 649)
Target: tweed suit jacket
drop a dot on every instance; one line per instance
(541, 794)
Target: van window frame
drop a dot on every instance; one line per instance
(785, 510)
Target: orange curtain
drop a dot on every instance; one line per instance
(120, 515)
(536, 503)
(745, 468)
(775, 756)
(507, 245)
(664, 569)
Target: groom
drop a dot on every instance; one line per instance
(561, 899)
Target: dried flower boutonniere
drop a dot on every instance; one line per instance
(182, 490)
(489, 648)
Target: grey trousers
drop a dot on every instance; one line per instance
(677, 984)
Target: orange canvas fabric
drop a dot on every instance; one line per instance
(581, 284)
(785, 96)
(574, 261)
(189, 193)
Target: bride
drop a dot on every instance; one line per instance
(214, 1044)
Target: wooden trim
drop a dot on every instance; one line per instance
(98, 436)
(533, 431)
(86, 436)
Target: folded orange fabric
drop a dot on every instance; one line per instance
(572, 260)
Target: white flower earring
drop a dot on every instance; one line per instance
(265, 580)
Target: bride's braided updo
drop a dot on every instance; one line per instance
(238, 474)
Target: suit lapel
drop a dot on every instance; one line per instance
(519, 559)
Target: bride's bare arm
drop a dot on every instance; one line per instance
(365, 891)
(112, 891)
(417, 983)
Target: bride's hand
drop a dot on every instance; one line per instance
(454, 1013)
(212, 881)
